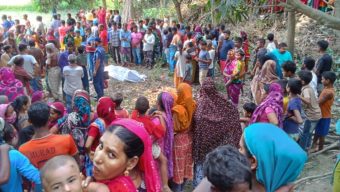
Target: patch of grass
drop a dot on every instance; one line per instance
(17, 8)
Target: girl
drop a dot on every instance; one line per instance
(132, 146)
(7, 113)
(180, 58)
(57, 111)
(20, 106)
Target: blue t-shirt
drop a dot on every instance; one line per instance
(281, 58)
(21, 166)
(290, 126)
(226, 46)
(63, 59)
(99, 54)
(125, 35)
(204, 55)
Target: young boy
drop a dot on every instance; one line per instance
(77, 39)
(73, 75)
(293, 116)
(204, 61)
(248, 110)
(308, 64)
(326, 100)
(156, 132)
(45, 145)
(289, 69)
(311, 110)
(119, 110)
(271, 46)
(58, 172)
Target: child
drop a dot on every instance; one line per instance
(326, 100)
(293, 116)
(82, 61)
(19, 163)
(20, 106)
(119, 110)
(204, 61)
(211, 50)
(308, 64)
(272, 43)
(188, 69)
(234, 84)
(311, 109)
(77, 39)
(45, 145)
(7, 113)
(21, 74)
(62, 173)
(283, 83)
(156, 133)
(69, 37)
(57, 111)
(248, 110)
(180, 56)
(73, 75)
(289, 69)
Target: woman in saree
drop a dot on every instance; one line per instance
(276, 161)
(9, 85)
(255, 83)
(53, 70)
(213, 108)
(271, 108)
(183, 112)
(267, 77)
(77, 122)
(124, 146)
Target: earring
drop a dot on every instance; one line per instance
(126, 173)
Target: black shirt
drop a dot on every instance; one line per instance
(323, 64)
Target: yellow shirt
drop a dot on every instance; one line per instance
(285, 104)
(77, 41)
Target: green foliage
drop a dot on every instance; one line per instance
(158, 12)
(48, 5)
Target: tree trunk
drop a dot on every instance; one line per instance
(212, 4)
(104, 3)
(321, 17)
(291, 31)
(178, 11)
(127, 13)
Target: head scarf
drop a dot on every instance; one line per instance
(243, 35)
(268, 72)
(106, 109)
(82, 106)
(3, 109)
(146, 160)
(280, 159)
(216, 122)
(274, 100)
(37, 96)
(168, 102)
(58, 106)
(185, 105)
(10, 86)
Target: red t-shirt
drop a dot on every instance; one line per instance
(38, 151)
(103, 37)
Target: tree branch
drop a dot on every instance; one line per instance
(302, 180)
(321, 17)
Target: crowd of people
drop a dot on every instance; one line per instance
(54, 139)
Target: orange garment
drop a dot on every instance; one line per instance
(121, 113)
(177, 80)
(327, 105)
(38, 151)
(184, 108)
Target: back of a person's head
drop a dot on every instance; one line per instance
(283, 83)
(329, 75)
(81, 49)
(249, 107)
(31, 43)
(270, 37)
(18, 61)
(309, 62)
(305, 76)
(323, 45)
(19, 102)
(6, 48)
(7, 131)
(289, 66)
(38, 114)
(142, 105)
(22, 47)
(262, 40)
(118, 99)
(72, 58)
(225, 167)
(295, 86)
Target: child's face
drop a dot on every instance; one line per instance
(324, 81)
(53, 115)
(65, 178)
(286, 73)
(246, 113)
(110, 159)
(238, 56)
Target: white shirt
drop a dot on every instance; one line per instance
(314, 84)
(149, 42)
(73, 77)
(29, 62)
(180, 64)
(271, 47)
(212, 57)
